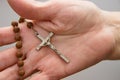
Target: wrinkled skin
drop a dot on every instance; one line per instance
(80, 31)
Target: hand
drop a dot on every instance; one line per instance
(81, 35)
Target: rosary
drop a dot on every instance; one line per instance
(19, 45)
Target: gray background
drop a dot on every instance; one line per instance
(106, 70)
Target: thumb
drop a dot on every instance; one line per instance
(32, 9)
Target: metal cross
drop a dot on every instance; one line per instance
(46, 42)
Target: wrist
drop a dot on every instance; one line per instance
(112, 20)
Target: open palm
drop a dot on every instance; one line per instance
(80, 34)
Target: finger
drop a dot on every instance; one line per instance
(6, 75)
(29, 65)
(8, 58)
(32, 9)
(6, 35)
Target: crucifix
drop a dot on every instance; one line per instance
(46, 42)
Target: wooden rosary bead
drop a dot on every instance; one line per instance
(21, 20)
(29, 25)
(21, 72)
(18, 37)
(19, 44)
(19, 54)
(20, 63)
(14, 23)
(16, 29)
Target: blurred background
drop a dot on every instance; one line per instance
(106, 70)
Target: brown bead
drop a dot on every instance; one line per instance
(21, 72)
(20, 63)
(18, 37)
(21, 20)
(29, 25)
(14, 23)
(19, 54)
(19, 44)
(16, 29)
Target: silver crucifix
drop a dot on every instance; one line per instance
(46, 42)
